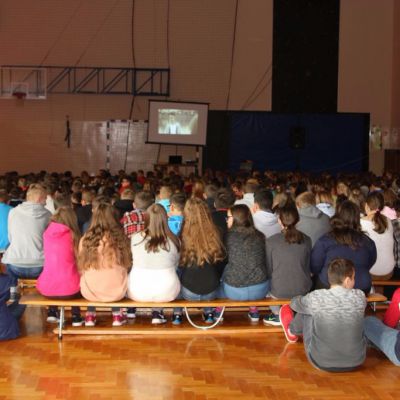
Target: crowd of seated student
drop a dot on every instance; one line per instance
(237, 236)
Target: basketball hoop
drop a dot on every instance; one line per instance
(19, 95)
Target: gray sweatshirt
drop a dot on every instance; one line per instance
(26, 224)
(337, 326)
(313, 222)
(288, 266)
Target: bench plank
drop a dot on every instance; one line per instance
(386, 283)
(36, 299)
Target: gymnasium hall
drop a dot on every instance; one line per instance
(199, 200)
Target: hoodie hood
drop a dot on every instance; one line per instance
(34, 210)
(57, 230)
(310, 212)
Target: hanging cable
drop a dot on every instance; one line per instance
(259, 92)
(61, 33)
(133, 100)
(232, 55)
(97, 32)
(246, 103)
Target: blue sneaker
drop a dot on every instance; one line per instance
(272, 319)
(177, 319)
(254, 316)
(208, 318)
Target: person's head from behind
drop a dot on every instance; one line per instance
(87, 197)
(373, 208)
(251, 186)
(304, 200)
(210, 191)
(157, 231)
(143, 200)
(224, 199)
(263, 200)
(36, 194)
(104, 234)
(341, 272)
(198, 190)
(3, 196)
(128, 194)
(239, 216)
(67, 216)
(347, 216)
(165, 192)
(178, 201)
(323, 196)
(288, 218)
(201, 241)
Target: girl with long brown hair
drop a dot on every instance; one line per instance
(202, 256)
(380, 229)
(104, 260)
(155, 254)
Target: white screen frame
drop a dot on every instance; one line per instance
(198, 139)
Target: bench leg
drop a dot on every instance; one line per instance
(61, 323)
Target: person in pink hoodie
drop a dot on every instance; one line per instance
(60, 277)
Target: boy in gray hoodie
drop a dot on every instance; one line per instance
(26, 223)
(330, 320)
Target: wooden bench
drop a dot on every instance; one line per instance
(390, 282)
(26, 283)
(35, 299)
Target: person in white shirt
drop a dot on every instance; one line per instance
(380, 230)
(264, 219)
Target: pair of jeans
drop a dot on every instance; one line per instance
(383, 337)
(16, 272)
(16, 310)
(190, 296)
(254, 292)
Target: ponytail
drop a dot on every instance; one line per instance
(289, 217)
(375, 202)
(292, 235)
(380, 222)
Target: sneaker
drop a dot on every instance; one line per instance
(272, 319)
(14, 296)
(131, 313)
(158, 318)
(52, 317)
(177, 319)
(286, 317)
(90, 319)
(218, 315)
(119, 319)
(208, 318)
(254, 316)
(77, 320)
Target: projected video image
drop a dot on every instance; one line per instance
(177, 122)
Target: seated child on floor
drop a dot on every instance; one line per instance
(9, 314)
(385, 334)
(330, 320)
(175, 215)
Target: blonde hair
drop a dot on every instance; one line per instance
(323, 196)
(201, 241)
(67, 217)
(105, 233)
(305, 199)
(36, 192)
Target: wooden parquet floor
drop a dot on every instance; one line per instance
(206, 367)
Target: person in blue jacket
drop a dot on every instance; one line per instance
(9, 314)
(345, 240)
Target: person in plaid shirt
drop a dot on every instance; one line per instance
(134, 221)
